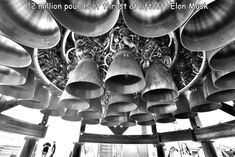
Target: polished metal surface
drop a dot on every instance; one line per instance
(183, 110)
(94, 111)
(224, 79)
(222, 58)
(12, 54)
(24, 22)
(150, 18)
(121, 103)
(71, 115)
(24, 91)
(40, 99)
(72, 102)
(85, 80)
(114, 116)
(86, 17)
(124, 75)
(210, 28)
(13, 76)
(160, 86)
(198, 103)
(214, 94)
(140, 114)
(54, 109)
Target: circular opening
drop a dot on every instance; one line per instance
(226, 81)
(166, 120)
(221, 96)
(151, 122)
(185, 115)
(83, 86)
(121, 80)
(140, 117)
(85, 90)
(160, 95)
(206, 107)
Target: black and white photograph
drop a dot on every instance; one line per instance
(117, 78)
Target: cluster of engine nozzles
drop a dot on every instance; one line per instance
(211, 30)
(36, 24)
(124, 79)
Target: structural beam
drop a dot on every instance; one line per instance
(20, 127)
(207, 146)
(216, 131)
(29, 147)
(228, 109)
(77, 149)
(181, 135)
(118, 139)
(198, 134)
(209, 149)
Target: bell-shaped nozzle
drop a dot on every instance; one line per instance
(124, 75)
(85, 80)
(87, 18)
(12, 54)
(222, 58)
(160, 86)
(72, 102)
(224, 79)
(25, 22)
(197, 100)
(151, 18)
(24, 91)
(40, 99)
(210, 28)
(213, 94)
(13, 76)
